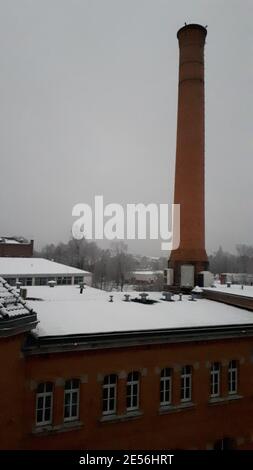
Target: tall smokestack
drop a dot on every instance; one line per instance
(190, 171)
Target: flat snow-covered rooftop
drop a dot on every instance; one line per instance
(234, 289)
(35, 266)
(64, 311)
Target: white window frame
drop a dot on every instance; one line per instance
(186, 384)
(71, 391)
(233, 377)
(165, 386)
(131, 384)
(109, 387)
(215, 373)
(44, 395)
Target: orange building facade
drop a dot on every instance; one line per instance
(195, 421)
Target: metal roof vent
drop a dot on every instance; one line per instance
(192, 297)
(111, 298)
(51, 283)
(144, 299)
(127, 297)
(168, 296)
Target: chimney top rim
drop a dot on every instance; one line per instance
(192, 26)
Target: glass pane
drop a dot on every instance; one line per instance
(74, 398)
(75, 383)
(67, 398)
(40, 402)
(111, 404)
(49, 387)
(68, 384)
(74, 410)
(48, 402)
(47, 414)
(40, 388)
(67, 411)
(135, 375)
(39, 416)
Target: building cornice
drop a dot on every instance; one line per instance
(36, 345)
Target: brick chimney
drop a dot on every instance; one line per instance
(190, 153)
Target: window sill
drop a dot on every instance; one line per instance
(118, 418)
(176, 408)
(65, 427)
(224, 400)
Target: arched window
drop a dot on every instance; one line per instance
(44, 403)
(71, 399)
(133, 391)
(110, 394)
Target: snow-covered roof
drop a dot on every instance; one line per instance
(13, 241)
(64, 311)
(11, 304)
(11, 266)
(147, 273)
(234, 289)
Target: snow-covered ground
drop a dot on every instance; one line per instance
(64, 311)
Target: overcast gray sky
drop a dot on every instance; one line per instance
(89, 102)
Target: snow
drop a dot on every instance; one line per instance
(148, 273)
(65, 311)
(35, 266)
(234, 289)
(11, 303)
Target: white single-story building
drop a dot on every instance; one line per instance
(39, 271)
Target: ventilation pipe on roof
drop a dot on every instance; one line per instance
(23, 293)
(143, 296)
(192, 298)
(168, 296)
(51, 283)
(111, 298)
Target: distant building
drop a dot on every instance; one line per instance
(39, 271)
(143, 277)
(16, 247)
(236, 278)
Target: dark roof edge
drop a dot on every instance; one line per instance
(42, 345)
(20, 324)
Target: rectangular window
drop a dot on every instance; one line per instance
(165, 387)
(232, 377)
(215, 379)
(71, 400)
(78, 279)
(186, 384)
(133, 386)
(110, 394)
(44, 403)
